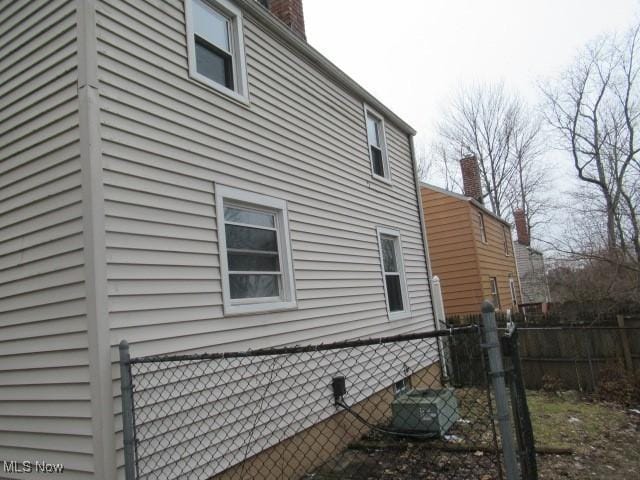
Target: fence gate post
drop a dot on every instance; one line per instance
(522, 415)
(127, 411)
(496, 373)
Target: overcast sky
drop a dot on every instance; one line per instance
(413, 54)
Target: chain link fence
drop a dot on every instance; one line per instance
(407, 407)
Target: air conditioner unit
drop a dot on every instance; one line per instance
(425, 411)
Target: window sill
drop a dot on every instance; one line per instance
(250, 308)
(393, 316)
(380, 179)
(220, 89)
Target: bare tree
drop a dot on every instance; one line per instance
(505, 136)
(594, 108)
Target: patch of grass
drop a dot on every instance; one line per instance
(571, 423)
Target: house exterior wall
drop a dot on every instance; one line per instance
(45, 397)
(459, 256)
(168, 141)
(452, 250)
(105, 138)
(532, 274)
(494, 262)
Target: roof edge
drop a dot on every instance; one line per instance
(460, 196)
(319, 60)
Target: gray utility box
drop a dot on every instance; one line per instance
(425, 411)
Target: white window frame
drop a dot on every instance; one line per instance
(506, 231)
(390, 232)
(483, 228)
(369, 112)
(240, 91)
(242, 198)
(495, 293)
(512, 289)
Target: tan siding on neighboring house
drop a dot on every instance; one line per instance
(495, 263)
(452, 251)
(168, 141)
(44, 374)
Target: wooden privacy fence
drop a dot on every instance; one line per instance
(574, 357)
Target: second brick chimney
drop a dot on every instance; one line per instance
(471, 178)
(521, 227)
(290, 12)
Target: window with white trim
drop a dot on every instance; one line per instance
(255, 256)
(215, 44)
(393, 273)
(507, 240)
(377, 145)
(495, 295)
(483, 231)
(512, 288)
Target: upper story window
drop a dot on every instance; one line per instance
(495, 294)
(393, 273)
(377, 145)
(483, 231)
(255, 256)
(512, 288)
(216, 49)
(507, 241)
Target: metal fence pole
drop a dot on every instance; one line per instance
(127, 411)
(526, 439)
(496, 372)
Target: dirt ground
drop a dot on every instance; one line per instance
(604, 441)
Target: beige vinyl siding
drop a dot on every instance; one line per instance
(168, 140)
(44, 374)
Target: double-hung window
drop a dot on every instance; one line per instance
(377, 145)
(483, 230)
(393, 273)
(512, 288)
(216, 51)
(507, 240)
(255, 257)
(495, 295)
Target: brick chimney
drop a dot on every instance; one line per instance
(290, 12)
(471, 178)
(521, 227)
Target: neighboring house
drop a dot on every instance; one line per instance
(470, 248)
(533, 278)
(189, 176)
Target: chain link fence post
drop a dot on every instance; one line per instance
(526, 441)
(496, 373)
(127, 411)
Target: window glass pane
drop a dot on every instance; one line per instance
(389, 255)
(247, 238)
(214, 65)
(210, 25)
(373, 131)
(394, 292)
(376, 158)
(251, 262)
(253, 217)
(253, 286)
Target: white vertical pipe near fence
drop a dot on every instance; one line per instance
(440, 318)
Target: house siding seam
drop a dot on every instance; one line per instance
(45, 409)
(168, 140)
